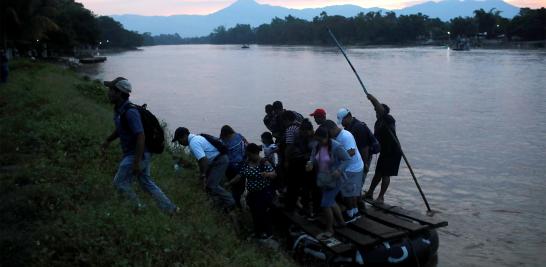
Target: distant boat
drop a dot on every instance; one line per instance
(461, 44)
(245, 46)
(90, 60)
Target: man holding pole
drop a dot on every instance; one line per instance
(390, 155)
(385, 130)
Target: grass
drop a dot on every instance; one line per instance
(57, 201)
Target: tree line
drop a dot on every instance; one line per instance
(377, 28)
(64, 24)
(61, 25)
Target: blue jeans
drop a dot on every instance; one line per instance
(4, 73)
(124, 179)
(215, 175)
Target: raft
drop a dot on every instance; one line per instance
(384, 236)
(90, 60)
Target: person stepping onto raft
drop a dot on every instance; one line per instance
(212, 162)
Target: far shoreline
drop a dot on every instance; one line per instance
(489, 45)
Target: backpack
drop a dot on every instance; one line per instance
(153, 132)
(216, 143)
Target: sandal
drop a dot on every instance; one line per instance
(325, 236)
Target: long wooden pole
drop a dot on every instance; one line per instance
(338, 44)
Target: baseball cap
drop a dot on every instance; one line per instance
(121, 84)
(179, 133)
(319, 112)
(342, 113)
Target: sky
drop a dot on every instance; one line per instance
(202, 7)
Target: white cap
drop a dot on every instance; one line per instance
(121, 84)
(342, 113)
(124, 86)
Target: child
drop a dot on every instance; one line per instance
(258, 174)
(270, 149)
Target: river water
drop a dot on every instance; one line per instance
(472, 124)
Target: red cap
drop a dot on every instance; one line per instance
(321, 113)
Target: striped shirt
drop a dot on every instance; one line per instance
(291, 133)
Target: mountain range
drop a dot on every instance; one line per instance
(255, 14)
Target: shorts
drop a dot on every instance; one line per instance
(351, 186)
(329, 196)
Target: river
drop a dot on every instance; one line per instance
(472, 124)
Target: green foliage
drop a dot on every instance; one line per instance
(57, 201)
(241, 33)
(374, 28)
(114, 35)
(530, 24)
(61, 24)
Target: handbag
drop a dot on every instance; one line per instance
(326, 181)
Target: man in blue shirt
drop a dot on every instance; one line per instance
(136, 159)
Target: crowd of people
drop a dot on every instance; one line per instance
(304, 170)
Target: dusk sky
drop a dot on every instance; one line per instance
(173, 7)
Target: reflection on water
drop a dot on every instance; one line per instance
(471, 123)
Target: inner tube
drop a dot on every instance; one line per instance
(414, 251)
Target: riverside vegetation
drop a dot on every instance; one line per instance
(57, 200)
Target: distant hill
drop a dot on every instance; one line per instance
(255, 14)
(448, 9)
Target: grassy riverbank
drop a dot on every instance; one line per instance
(57, 202)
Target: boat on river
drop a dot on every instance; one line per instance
(383, 236)
(91, 60)
(461, 44)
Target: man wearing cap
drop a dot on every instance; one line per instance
(363, 137)
(212, 165)
(136, 159)
(352, 184)
(320, 115)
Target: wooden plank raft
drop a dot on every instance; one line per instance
(414, 216)
(378, 224)
(334, 244)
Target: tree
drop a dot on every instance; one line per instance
(27, 20)
(488, 22)
(112, 34)
(463, 27)
(529, 24)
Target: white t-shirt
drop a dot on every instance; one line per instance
(269, 153)
(200, 147)
(348, 142)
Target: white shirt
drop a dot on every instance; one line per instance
(200, 147)
(348, 142)
(269, 153)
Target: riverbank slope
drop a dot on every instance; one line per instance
(57, 202)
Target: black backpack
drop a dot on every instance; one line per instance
(216, 143)
(155, 136)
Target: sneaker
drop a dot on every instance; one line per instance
(362, 206)
(263, 236)
(311, 217)
(350, 219)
